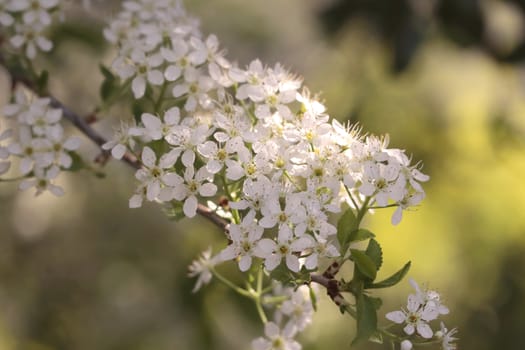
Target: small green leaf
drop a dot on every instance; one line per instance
(281, 273)
(313, 297)
(392, 280)
(106, 72)
(77, 164)
(375, 253)
(174, 211)
(42, 80)
(137, 109)
(366, 318)
(346, 224)
(364, 263)
(361, 235)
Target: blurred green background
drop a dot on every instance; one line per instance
(446, 81)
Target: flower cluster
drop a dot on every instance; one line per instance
(423, 307)
(253, 139)
(292, 316)
(38, 142)
(252, 134)
(26, 22)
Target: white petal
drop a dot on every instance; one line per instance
(72, 143)
(153, 190)
(172, 179)
(228, 253)
(155, 77)
(396, 316)
(424, 330)
(138, 85)
(245, 263)
(148, 157)
(208, 190)
(118, 151)
(272, 261)
(135, 201)
(56, 190)
(397, 216)
(292, 262)
(190, 206)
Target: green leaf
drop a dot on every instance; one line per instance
(281, 273)
(42, 80)
(364, 263)
(375, 253)
(110, 86)
(137, 109)
(313, 297)
(174, 211)
(77, 164)
(361, 235)
(346, 224)
(366, 318)
(392, 280)
(106, 72)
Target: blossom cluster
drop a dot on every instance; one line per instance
(291, 317)
(252, 134)
(26, 22)
(38, 142)
(423, 306)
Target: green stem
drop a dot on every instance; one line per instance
(362, 211)
(228, 283)
(158, 103)
(351, 198)
(386, 206)
(258, 303)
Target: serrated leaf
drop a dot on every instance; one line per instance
(361, 235)
(346, 224)
(364, 263)
(375, 253)
(392, 280)
(366, 318)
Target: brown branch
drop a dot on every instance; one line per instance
(84, 127)
(332, 288)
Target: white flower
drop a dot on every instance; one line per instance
(276, 339)
(447, 337)
(120, 142)
(195, 90)
(6, 19)
(194, 184)
(201, 267)
(416, 317)
(43, 182)
(406, 345)
(299, 308)
(142, 68)
(286, 246)
(61, 146)
(35, 10)
(429, 297)
(244, 239)
(30, 37)
(322, 249)
(153, 173)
